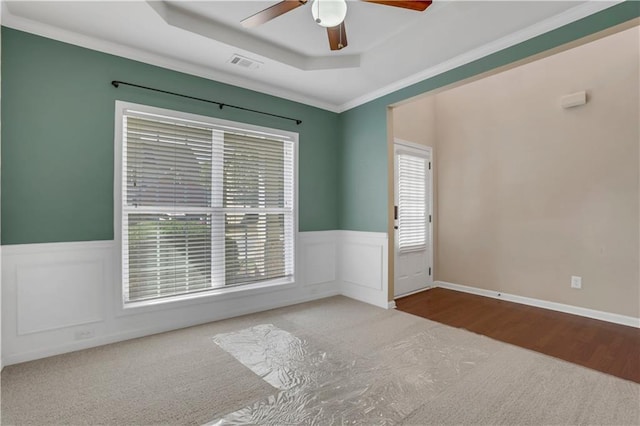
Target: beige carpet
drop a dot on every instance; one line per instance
(333, 361)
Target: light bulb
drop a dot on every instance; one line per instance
(329, 13)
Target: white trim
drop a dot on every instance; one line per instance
(344, 234)
(412, 145)
(37, 248)
(1, 360)
(581, 11)
(204, 297)
(118, 136)
(560, 307)
(391, 304)
(550, 24)
(325, 235)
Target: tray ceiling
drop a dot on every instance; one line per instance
(388, 47)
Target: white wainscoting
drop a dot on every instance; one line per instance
(1, 360)
(362, 267)
(318, 257)
(61, 297)
(38, 284)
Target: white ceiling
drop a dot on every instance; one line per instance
(388, 48)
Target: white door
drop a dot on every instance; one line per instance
(413, 218)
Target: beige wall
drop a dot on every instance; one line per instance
(530, 193)
(416, 122)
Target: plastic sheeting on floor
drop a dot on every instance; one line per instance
(316, 387)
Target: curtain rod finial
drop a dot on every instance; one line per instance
(115, 83)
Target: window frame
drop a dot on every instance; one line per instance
(216, 294)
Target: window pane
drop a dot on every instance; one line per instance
(255, 247)
(255, 171)
(412, 203)
(168, 254)
(167, 163)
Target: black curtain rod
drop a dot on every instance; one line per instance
(116, 83)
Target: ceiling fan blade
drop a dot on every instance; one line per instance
(271, 12)
(337, 37)
(418, 5)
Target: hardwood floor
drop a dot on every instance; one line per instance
(600, 345)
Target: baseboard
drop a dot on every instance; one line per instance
(391, 305)
(560, 307)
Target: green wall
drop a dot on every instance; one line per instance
(363, 193)
(57, 137)
(58, 123)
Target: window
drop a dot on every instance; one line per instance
(412, 198)
(205, 204)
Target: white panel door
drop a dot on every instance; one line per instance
(413, 218)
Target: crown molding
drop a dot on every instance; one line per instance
(574, 14)
(48, 31)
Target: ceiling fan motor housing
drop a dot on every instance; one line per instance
(329, 13)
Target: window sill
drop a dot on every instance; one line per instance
(214, 295)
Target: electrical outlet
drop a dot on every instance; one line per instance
(576, 282)
(84, 334)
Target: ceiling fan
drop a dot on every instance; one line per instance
(327, 13)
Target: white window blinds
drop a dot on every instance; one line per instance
(204, 206)
(257, 203)
(412, 207)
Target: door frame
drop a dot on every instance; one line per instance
(420, 149)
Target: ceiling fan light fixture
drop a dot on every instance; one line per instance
(329, 13)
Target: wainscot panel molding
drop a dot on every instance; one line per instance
(318, 260)
(362, 267)
(40, 283)
(62, 297)
(554, 306)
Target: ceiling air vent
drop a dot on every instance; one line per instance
(244, 62)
